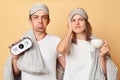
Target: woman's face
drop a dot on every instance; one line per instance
(78, 24)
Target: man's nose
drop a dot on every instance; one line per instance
(40, 20)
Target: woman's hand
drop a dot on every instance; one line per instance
(104, 49)
(69, 25)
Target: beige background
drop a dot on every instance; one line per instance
(104, 16)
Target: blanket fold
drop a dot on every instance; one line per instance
(32, 60)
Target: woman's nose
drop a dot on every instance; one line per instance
(77, 22)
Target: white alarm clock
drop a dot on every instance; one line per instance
(23, 45)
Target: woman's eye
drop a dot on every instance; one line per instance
(73, 20)
(81, 19)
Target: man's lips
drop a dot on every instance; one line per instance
(40, 26)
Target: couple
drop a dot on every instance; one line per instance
(79, 59)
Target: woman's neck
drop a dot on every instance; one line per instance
(81, 36)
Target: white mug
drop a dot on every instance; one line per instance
(97, 43)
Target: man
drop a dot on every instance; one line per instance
(38, 63)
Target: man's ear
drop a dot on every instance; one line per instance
(29, 20)
(48, 21)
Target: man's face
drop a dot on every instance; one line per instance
(39, 21)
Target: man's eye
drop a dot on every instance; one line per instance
(45, 17)
(35, 17)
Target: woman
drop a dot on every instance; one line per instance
(83, 60)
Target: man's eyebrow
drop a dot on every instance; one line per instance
(44, 15)
(35, 15)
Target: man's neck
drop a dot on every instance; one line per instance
(40, 36)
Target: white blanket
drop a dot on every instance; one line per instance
(31, 61)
